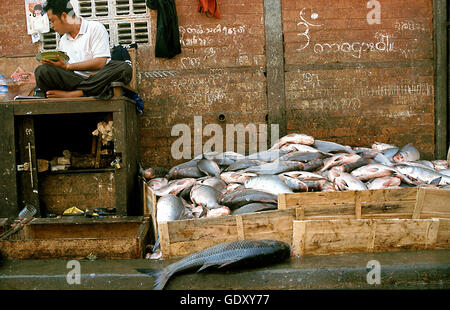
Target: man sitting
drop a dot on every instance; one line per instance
(90, 69)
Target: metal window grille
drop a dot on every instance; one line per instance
(127, 21)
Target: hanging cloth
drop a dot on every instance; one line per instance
(167, 31)
(209, 7)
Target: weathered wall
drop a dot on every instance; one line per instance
(345, 80)
(354, 82)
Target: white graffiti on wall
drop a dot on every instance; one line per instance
(306, 24)
(200, 35)
(383, 43)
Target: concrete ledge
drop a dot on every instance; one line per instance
(399, 270)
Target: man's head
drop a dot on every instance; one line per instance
(60, 14)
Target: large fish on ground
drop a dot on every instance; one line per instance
(382, 146)
(235, 253)
(406, 153)
(157, 183)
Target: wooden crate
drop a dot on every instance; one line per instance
(319, 237)
(149, 201)
(184, 237)
(406, 203)
(76, 237)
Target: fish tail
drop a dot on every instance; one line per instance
(161, 277)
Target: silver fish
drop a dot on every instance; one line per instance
(406, 153)
(175, 186)
(331, 147)
(240, 197)
(339, 159)
(423, 175)
(169, 208)
(215, 182)
(268, 183)
(255, 207)
(244, 164)
(222, 159)
(236, 177)
(440, 165)
(186, 172)
(208, 167)
(218, 212)
(157, 183)
(346, 181)
(206, 196)
(384, 182)
(382, 146)
(301, 156)
(276, 167)
(294, 138)
(243, 252)
(269, 155)
(372, 171)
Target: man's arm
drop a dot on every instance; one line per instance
(93, 64)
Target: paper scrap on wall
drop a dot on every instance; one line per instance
(37, 19)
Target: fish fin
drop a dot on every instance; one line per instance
(161, 277)
(436, 181)
(204, 266)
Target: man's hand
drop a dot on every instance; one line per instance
(59, 63)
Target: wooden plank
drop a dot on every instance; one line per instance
(321, 237)
(436, 203)
(443, 237)
(353, 204)
(419, 204)
(8, 181)
(184, 237)
(64, 106)
(150, 201)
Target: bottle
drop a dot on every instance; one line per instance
(3, 89)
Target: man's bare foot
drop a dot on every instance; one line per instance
(64, 93)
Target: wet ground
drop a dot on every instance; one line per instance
(398, 270)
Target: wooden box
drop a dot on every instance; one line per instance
(184, 237)
(76, 237)
(406, 203)
(319, 237)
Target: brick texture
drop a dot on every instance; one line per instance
(346, 80)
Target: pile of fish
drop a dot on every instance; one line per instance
(217, 184)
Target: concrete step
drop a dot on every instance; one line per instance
(398, 270)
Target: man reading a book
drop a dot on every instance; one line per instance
(90, 70)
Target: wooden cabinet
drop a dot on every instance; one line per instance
(42, 128)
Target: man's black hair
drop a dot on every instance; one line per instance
(58, 7)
